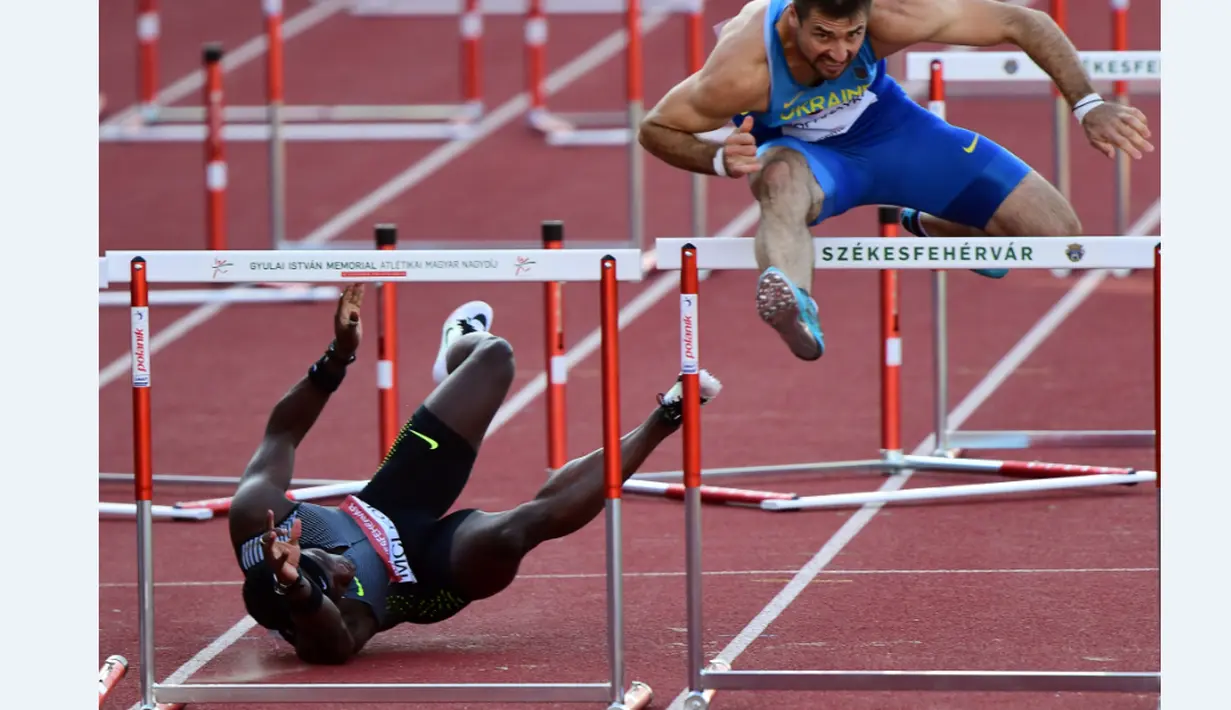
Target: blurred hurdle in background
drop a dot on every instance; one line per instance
(608, 268)
(322, 122)
(214, 123)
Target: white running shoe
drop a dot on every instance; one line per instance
(671, 404)
(475, 316)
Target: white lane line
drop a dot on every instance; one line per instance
(316, 13)
(586, 62)
(734, 573)
(979, 394)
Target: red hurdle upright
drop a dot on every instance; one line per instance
(891, 349)
(387, 347)
(215, 154)
(556, 367)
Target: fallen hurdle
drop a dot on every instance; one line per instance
(609, 268)
(884, 254)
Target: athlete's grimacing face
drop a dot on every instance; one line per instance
(339, 569)
(828, 44)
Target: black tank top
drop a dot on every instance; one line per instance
(333, 530)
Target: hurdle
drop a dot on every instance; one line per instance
(609, 268)
(890, 456)
(935, 253)
(590, 128)
(320, 122)
(1118, 66)
(883, 254)
(615, 128)
(944, 67)
(556, 368)
(215, 183)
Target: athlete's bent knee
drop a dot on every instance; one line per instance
(777, 177)
(494, 354)
(782, 187)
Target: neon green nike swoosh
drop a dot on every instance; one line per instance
(430, 441)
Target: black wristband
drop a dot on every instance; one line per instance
(332, 351)
(316, 599)
(325, 373)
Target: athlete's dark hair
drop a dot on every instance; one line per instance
(836, 9)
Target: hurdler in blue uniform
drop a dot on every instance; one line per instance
(823, 128)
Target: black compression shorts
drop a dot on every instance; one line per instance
(420, 479)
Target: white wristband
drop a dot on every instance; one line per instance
(1086, 105)
(720, 167)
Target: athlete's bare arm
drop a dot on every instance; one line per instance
(734, 79)
(897, 24)
(268, 475)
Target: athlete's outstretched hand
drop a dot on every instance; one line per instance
(346, 327)
(1110, 126)
(739, 155)
(282, 556)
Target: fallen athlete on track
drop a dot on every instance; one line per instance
(329, 578)
(822, 128)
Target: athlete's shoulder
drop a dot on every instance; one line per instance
(894, 25)
(743, 33)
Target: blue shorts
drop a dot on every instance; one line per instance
(900, 154)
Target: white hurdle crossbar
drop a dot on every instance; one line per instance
(139, 269)
(691, 256)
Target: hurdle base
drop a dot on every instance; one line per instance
(1030, 485)
(159, 512)
(307, 132)
(597, 693)
(961, 440)
(605, 128)
(597, 128)
(197, 297)
(944, 681)
(229, 481)
(883, 465)
(453, 113)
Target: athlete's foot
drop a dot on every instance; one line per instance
(671, 404)
(911, 223)
(792, 312)
(471, 317)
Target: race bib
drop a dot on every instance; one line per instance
(383, 535)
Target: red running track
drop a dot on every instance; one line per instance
(1063, 581)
